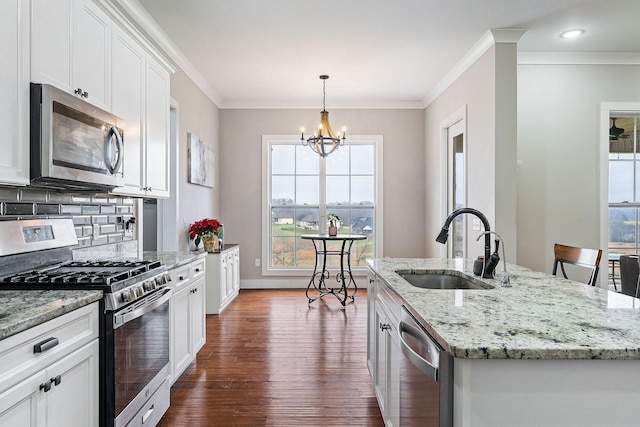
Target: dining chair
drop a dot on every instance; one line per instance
(587, 258)
(629, 274)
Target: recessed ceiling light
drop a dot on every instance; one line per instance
(571, 34)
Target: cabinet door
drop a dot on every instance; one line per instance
(14, 92)
(19, 405)
(198, 335)
(91, 54)
(51, 42)
(380, 377)
(182, 330)
(236, 270)
(128, 76)
(157, 130)
(73, 402)
(372, 291)
(224, 276)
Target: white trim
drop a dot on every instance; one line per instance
(287, 283)
(459, 115)
(606, 108)
(151, 27)
(378, 141)
(490, 38)
(577, 58)
(335, 105)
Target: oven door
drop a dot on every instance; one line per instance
(141, 353)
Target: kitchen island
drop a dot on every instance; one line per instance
(546, 351)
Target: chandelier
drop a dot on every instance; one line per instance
(324, 141)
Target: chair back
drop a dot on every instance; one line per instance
(588, 258)
(629, 272)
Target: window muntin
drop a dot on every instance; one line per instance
(304, 188)
(624, 188)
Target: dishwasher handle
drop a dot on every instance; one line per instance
(427, 367)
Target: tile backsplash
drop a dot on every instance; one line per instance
(98, 219)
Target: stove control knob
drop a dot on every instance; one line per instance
(138, 291)
(162, 280)
(149, 285)
(126, 296)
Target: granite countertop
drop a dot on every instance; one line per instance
(174, 259)
(540, 317)
(21, 310)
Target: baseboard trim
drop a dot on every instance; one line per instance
(290, 283)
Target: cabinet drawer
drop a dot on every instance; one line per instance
(197, 268)
(180, 277)
(19, 357)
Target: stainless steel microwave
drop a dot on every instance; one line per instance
(74, 145)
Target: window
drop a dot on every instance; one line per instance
(301, 189)
(624, 185)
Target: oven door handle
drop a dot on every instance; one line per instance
(429, 368)
(128, 315)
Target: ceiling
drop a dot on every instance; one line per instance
(378, 53)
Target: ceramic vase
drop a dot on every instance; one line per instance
(209, 242)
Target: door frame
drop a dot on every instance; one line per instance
(460, 115)
(606, 109)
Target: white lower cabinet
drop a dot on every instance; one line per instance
(223, 278)
(188, 332)
(383, 350)
(59, 386)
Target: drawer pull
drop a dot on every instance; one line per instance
(56, 380)
(45, 345)
(197, 270)
(181, 278)
(45, 386)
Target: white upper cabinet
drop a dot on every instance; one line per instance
(157, 130)
(71, 48)
(128, 97)
(141, 97)
(14, 92)
(90, 50)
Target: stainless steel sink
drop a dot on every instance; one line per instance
(440, 281)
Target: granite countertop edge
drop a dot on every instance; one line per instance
(179, 258)
(23, 309)
(540, 317)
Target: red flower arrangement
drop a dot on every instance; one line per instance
(203, 227)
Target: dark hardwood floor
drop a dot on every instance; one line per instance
(273, 360)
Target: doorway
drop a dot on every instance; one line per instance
(457, 190)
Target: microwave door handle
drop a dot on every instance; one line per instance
(107, 157)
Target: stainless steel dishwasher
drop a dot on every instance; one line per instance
(426, 377)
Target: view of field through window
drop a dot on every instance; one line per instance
(305, 189)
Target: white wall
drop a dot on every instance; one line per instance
(558, 154)
(241, 175)
(198, 115)
(488, 89)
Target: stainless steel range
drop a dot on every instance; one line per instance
(134, 326)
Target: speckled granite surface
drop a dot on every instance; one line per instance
(21, 310)
(540, 317)
(174, 259)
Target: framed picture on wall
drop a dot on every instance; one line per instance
(200, 168)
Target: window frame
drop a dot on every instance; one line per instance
(267, 142)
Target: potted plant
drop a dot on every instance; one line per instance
(333, 221)
(205, 230)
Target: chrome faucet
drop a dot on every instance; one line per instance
(487, 269)
(506, 282)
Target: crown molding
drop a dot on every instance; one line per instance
(140, 16)
(489, 39)
(577, 58)
(335, 105)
